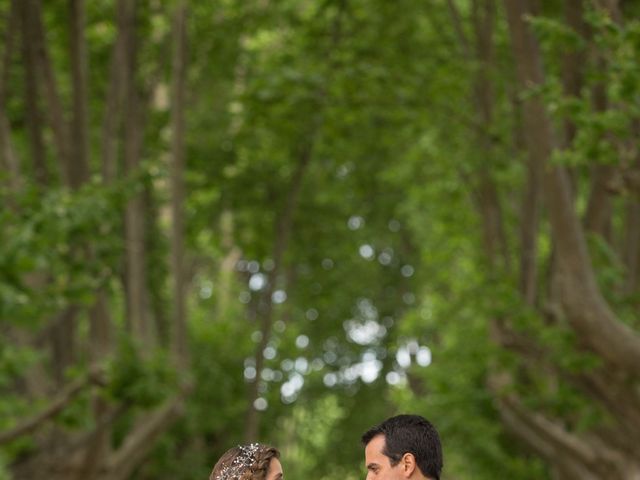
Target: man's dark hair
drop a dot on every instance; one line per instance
(410, 434)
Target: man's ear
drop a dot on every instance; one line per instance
(408, 464)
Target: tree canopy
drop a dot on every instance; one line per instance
(286, 220)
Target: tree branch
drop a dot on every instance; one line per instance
(140, 440)
(58, 404)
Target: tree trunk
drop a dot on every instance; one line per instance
(589, 314)
(99, 444)
(55, 109)
(573, 61)
(572, 457)
(138, 317)
(8, 157)
(32, 96)
(116, 92)
(136, 251)
(533, 194)
(65, 329)
(631, 254)
(494, 237)
(599, 207)
(179, 337)
(529, 233)
(100, 327)
(79, 171)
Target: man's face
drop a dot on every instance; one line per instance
(378, 464)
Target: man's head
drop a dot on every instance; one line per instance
(403, 447)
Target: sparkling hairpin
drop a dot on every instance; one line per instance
(242, 462)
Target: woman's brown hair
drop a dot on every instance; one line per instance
(244, 462)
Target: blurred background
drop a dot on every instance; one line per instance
(285, 220)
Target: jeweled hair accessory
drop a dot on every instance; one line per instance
(242, 462)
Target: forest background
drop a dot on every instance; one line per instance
(285, 220)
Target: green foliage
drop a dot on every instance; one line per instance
(50, 233)
(4, 471)
(311, 426)
(386, 259)
(139, 378)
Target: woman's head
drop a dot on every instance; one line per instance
(248, 462)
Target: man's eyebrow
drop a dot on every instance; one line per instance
(372, 466)
(278, 476)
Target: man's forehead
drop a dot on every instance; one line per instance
(374, 457)
(375, 446)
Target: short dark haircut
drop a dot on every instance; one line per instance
(410, 434)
